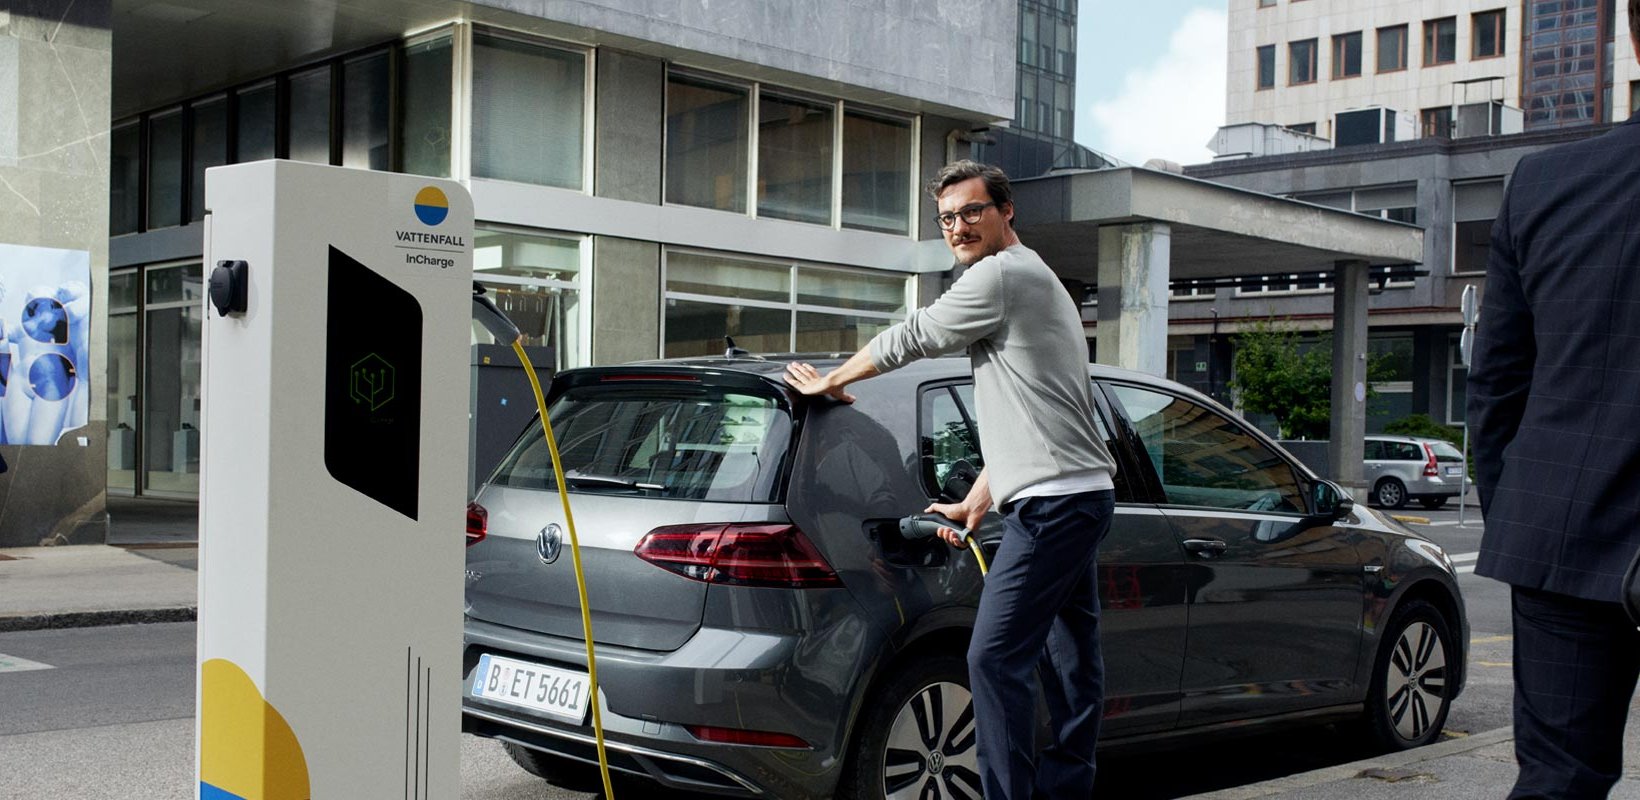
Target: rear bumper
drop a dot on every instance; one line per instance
(1435, 486)
(730, 679)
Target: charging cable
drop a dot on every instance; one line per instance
(924, 526)
(503, 329)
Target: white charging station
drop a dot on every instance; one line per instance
(333, 486)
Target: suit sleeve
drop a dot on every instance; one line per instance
(970, 310)
(1505, 350)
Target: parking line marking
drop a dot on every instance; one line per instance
(1490, 639)
(1456, 557)
(1467, 569)
(15, 664)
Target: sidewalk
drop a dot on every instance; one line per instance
(152, 577)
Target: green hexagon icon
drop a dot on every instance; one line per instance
(370, 382)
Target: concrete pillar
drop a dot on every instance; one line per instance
(55, 84)
(626, 321)
(1349, 383)
(1133, 277)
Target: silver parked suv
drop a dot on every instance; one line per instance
(1413, 467)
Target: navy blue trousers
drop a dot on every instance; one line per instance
(1040, 609)
(1576, 662)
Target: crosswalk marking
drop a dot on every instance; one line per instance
(15, 664)
(1463, 563)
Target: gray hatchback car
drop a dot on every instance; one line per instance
(1402, 468)
(763, 630)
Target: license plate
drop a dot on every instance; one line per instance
(560, 693)
(1454, 470)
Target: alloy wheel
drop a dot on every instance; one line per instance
(1416, 681)
(931, 752)
(1391, 495)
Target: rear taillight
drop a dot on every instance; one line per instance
(478, 524)
(707, 733)
(739, 554)
(1430, 469)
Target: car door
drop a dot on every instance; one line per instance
(1372, 456)
(1142, 572)
(1276, 602)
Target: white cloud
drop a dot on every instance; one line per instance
(1169, 108)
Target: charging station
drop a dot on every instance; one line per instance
(333, 483)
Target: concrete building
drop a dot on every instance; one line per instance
(1300, 64)
(649, 177)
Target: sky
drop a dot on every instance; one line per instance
(1150, 78)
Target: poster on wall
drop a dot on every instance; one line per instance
(45, 318)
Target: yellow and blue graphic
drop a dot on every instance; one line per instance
(246, 749)
(431, 205)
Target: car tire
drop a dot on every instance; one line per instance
(915, 737)
(1432, 503)
(556, 770)
(1410, 693)
(1390, 493)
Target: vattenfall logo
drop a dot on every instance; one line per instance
(431, 205)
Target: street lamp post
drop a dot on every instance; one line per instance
(1466, 344)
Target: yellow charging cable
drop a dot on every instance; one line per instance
(575, 556)
(973, 547)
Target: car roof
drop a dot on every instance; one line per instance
(1396, 437)
(773, 365)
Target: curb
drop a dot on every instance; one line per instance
(1351, 771)
(94, 619)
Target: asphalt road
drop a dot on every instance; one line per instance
(113, 717)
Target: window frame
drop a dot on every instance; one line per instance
(1452, 252)
(1405, 34)
(461, 146)
(1258, 68)
(1314, 61)
(926, 394)
(1432, 43)
(1499, 36)
(1340, 58)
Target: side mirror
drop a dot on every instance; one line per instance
(959, 481)
(1329, 501)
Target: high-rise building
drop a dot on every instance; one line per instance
(1041, 135)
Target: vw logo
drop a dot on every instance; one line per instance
(549, 543)
(936, 762)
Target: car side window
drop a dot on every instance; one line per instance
(1204, 459)
(1405, 451)
(947, 436)
(1373, 450)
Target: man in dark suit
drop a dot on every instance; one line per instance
(1554, 417)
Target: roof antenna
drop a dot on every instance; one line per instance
(733, 351)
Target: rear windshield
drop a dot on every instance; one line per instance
(675, 442)
(1446, 452)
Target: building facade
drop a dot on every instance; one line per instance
(648, 178)
(1299, 63)
(1041, 135)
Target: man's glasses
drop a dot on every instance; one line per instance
(970, 214)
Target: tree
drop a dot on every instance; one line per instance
(1277, 374)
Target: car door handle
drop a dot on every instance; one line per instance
(1206, 548)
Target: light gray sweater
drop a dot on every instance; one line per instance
(1031, 384)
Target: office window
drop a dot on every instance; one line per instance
(1346, 55)
(1436, 122)
(425, 116)
(209, 148)
(1440, 41)
(794, 155)
(876, 173)
(120, 388)
(770, 306)
(706, 143)
(1266, 3)
(255, 123)
(364, 112)
(125, 178)
(535, 279)
(1267, 67)
(528, 112)
(1487, 40)
(1392, 48)
(1474, 207)
(173, 329)
(1301, 58)
(1303, 127)
(1394, 385)
(310, 115)
(165, 135)
(1457, 384)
